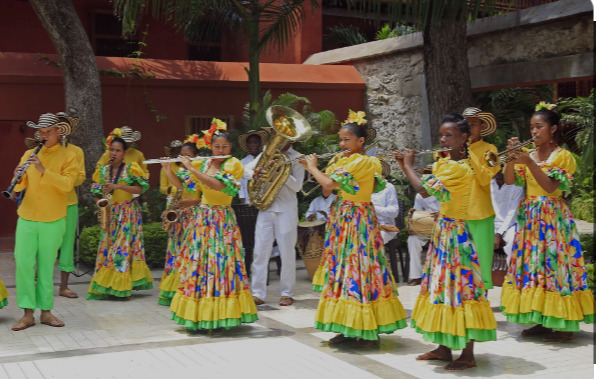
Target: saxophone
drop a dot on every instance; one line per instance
(170, 215)
(289, 126)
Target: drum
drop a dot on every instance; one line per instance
(310, 243)
(420, 222)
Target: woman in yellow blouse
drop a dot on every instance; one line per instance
(120, 266)
(358, 293)
(213, 293)
(546, 282)
(452, 309)
(181, 229)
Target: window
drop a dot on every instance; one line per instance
(106, 35)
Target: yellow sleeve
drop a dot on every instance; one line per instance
(234, 167)
(164, 182)
(483, 173)
(356, 164)
(80, 161)
(137, 170)
(450, 173)
(563, 160)
(141, 158)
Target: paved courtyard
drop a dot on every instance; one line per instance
(137, 339)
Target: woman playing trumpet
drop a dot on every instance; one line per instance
(120, 266)
(546, 280)
(358, 293)
(452, 309)
(180, 232)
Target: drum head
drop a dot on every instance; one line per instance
(311, 224)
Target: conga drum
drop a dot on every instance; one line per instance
(310, 243)
(420, 222)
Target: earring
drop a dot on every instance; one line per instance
(551, 142)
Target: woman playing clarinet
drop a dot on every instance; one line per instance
(358, 293)
(546, 283)
(120, 266)
(451, 309)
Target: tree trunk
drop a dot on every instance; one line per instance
(446, 69)
(81, 77)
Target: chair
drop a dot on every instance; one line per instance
(395, 249)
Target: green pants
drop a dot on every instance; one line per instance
(66, 260)
(483, 234)
(36, 244)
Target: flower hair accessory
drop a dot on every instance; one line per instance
(355, 118)
(545, 105)
(216, 126)
(196, 139)
(117, 132)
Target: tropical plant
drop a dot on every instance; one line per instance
(398, 30)
(345, 35)
(578, 122)
(265, 22)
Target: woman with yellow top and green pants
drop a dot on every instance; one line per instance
(120, 266)
(481, 215)
(213, 293)
(42, 220)
(181, 231)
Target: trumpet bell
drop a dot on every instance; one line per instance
(491, 158)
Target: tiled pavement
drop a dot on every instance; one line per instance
(137, 339)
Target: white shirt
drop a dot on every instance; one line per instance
(286, 199)
(428, 204)
(505, 202)
(243, 191)
(386, 205)
(320, 204)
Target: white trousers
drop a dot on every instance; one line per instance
(283, 228)
(415, 245)
(508, 237)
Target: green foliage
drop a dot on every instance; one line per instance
(587, 242)
(154, 239)
(399, 30)
(346, 35)
(590, 272)
(153, 206)
(578, 120)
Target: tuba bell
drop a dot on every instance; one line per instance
(289, 126)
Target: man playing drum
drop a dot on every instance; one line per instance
(417, 241)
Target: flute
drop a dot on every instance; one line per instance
(165, 160)
(8, 192)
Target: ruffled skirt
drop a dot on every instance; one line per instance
(120, 267)
(358, 292)
(3, 295)
(546, 282)
(213, 290)
(452, 308)
(179, 238)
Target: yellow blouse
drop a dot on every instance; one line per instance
(451, 184)
(45, 199)
(357, 172)
(229, 174)
(131, 175)
(560, 165)
(71, 197)
(131, 155)
(481, 205)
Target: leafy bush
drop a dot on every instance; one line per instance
(154, 239)
(590, 272)
(587, 242)
(398, 30)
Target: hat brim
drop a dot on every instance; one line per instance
(370, 134)
(64, 127)
(489, 122)
(385, 169)
(242, 138)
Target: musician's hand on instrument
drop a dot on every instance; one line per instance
(165, 165)
(109, 187)
(34, 160)
(17, 170)
(311, 217)
(323, 213)
(186, 162)
(186, 203)
(311, 162)
(512, 142)
(257, 173)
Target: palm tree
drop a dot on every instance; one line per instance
(269, 21)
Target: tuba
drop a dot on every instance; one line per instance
(170, 215)
(289, 126)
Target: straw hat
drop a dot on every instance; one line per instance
(386, 169)
(490, 123)
(262, 134)
(64, 123)
(130, 135)
(175, 144)
(371, 134)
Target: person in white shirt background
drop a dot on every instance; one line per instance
(386, 205)
(319, 207)
(506, 199)
(252, 143)
(416, 242)
(277, 223)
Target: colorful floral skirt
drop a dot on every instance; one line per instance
(120, 266)
(452, 308)
(546, 282)
(3, 295)
(358, 292)
(213, 291)
(180, 231)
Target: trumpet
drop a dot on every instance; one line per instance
(492, 159)
(8, 192)
(165, 160)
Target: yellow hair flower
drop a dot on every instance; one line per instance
(117, 132)
(220, 125)
(544, 105)
(355, 118)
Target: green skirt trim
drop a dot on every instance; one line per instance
(3, 303)
(165, 297)
(138, 285)
(317, 288)
(556, 323)
(224, 323)
(371, 335)
(457, 342)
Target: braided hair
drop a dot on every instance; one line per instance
(463, 126)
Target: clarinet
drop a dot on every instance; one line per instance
(8, 192)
